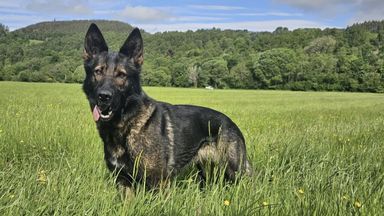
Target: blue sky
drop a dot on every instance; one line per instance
(171, 15)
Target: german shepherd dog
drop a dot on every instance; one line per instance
(148, 140)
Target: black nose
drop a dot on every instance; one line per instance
(105, 96)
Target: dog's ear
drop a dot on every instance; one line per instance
(94, 42)
(133, 47)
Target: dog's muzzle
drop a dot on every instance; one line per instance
(103, 111)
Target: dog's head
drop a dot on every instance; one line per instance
(111, 78)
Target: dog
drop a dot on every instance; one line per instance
(148, 140)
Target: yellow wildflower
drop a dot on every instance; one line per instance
(357, 204)
(42, 177)
(265, 203)
(227, 202)
(300, 191)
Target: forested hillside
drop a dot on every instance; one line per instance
(350, 59)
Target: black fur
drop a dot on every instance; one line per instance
(161, 138)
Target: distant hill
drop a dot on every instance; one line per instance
(54, 28)
(350, 59)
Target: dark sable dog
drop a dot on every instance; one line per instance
(158, 138)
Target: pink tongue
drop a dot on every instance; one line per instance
(96, 113)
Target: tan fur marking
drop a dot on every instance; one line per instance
(121, 81)
(98, 76)
(171, 144)
(219, 152)
(207, 153)
(99, 67)
(138, 142)
(139, 123)
(120, 68)
(118, 151)
(115, 151)
(231, 152)
(85, 55)
(140, 60)
(222, 146)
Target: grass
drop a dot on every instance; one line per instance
(314, 153)
(35, 42)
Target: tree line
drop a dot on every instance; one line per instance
(349, 59)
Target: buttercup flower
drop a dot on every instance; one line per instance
(227, 202)
(42, 177)
(357, 204)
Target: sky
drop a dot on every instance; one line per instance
(179, 15)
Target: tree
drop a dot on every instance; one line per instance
(15, 53)
(275, 68)
(348, 59)
(214, 72)
(240, 77)
(193, 74)
(78, 74)
(372, 82)
(325, 44)
(3, 30)
(179, 75)
(159, 77)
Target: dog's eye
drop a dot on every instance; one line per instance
(121, 74)
(98, 71)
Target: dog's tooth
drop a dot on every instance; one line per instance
(105, 116)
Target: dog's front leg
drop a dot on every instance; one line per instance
(127, 193)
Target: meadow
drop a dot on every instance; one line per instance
(313, 153)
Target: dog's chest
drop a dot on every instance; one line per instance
(121, 152)
(137, 142)
(115, 156)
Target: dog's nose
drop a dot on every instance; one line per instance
(105, 96)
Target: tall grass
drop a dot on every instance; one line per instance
(313, 154)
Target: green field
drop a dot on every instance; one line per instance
(314, 153)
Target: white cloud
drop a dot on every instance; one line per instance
(59, 7)
(9, 4)
(79, 9)
(368, 10)
(318, 5)
(282, 14)
(145, 14)
(360, 10)
(256, 26)
(216, 7)
(17, 21)
(105, 12)
(196, 18)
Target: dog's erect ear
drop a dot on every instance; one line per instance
(94, 42)
(133, 47)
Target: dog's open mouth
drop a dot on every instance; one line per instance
(104, 115)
